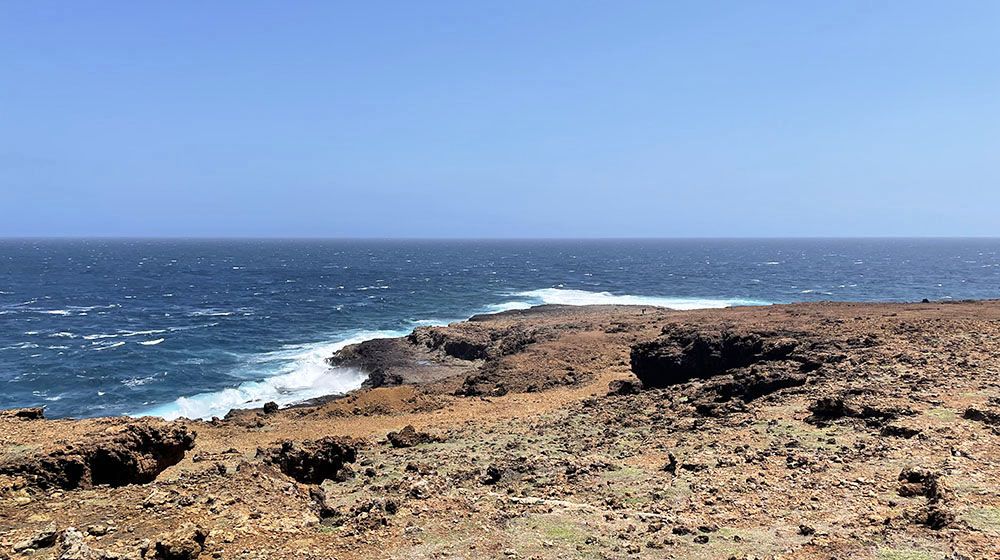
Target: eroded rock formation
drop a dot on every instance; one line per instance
(132, 453)
(312, 462)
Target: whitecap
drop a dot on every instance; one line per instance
(108, 346)
(507, 306)
(821, 292)
(138, 381)
(62, 334)
(100, 336)
(153, 342)
(120, 333)
(209, 313)
(21, 346)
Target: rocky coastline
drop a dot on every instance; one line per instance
(821, 430)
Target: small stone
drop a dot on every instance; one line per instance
(97, 530)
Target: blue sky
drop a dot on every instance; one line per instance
(499, 119)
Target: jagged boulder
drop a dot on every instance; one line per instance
(409, 437)
(312, 462)
(42, 539)
(133, 452)
(850, 406)
(185, 543)
(623, 387)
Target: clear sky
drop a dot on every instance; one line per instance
(499, 119)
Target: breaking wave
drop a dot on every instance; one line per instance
(562, 296)
(294, 374)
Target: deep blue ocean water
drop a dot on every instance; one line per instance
(194, 328)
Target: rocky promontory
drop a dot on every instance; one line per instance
(830, 430)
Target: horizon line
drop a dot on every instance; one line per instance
(484, 238)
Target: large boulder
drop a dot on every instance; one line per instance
(185, 543)
(409, 437)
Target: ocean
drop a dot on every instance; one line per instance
(197, 327)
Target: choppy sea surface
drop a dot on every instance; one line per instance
(197, 327)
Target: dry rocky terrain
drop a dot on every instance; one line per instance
(819, 431)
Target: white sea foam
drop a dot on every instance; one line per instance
(210, 313)
(143, 333)
(153, 342)
(118, 334)
(138, 381)
(562, 296)
(99, 336)
(507, 306)
(299, 373)
(21, 346)
(108, 346)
